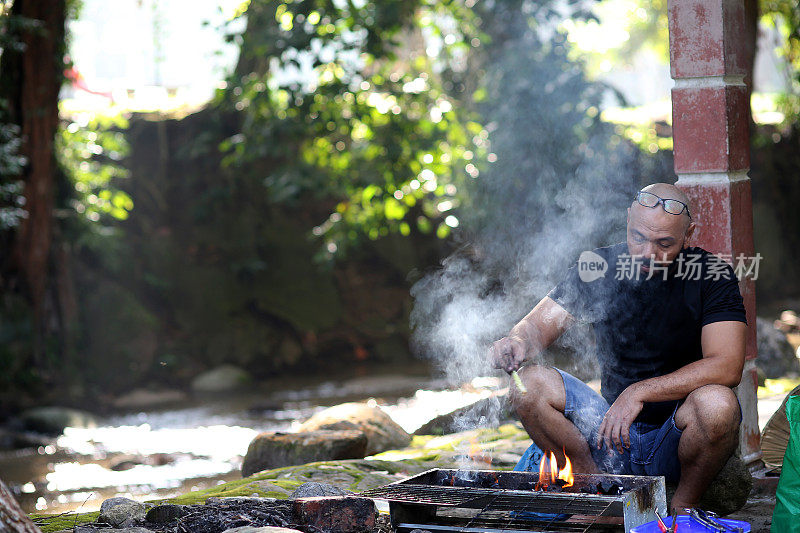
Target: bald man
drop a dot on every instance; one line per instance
(669, 325)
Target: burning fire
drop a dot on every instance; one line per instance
(549, 474)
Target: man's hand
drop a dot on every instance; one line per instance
(534, 333)
(614, 431)
(508, 353)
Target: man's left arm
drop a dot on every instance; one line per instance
(723, 346)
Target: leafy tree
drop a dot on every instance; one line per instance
(348, 101)
(90, 152)
(30, 79)
(785, 16)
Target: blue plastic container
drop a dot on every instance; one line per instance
(687, 525)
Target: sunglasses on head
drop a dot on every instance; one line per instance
(670, 205)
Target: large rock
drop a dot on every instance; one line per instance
(343, 514)
(729, 490)
(776, 358)
(273, 450)
(165, 513)
(382, 432)
(224, 378)
(315, 489)
(484, 412)
(53, 420)
(121, 512)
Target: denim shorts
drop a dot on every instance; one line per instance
(653, 450)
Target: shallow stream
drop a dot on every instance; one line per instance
(162, 452)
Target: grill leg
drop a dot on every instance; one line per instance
(411, 513)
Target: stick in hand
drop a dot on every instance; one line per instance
(518, 382)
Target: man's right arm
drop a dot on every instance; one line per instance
(533, 334)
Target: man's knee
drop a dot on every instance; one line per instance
(713, 409)
(545, 388)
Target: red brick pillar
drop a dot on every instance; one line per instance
(710, 118)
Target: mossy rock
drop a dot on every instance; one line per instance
(355, 475)
(58, 522)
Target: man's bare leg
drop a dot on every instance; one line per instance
(541, 411)
(709, 419)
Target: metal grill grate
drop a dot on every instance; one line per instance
(470, 501)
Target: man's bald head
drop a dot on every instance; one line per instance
(667, 191)
(654, 235)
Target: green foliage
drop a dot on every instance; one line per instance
(784, 15)
(11, 162)
(352, 107)
(13, 26)
(90, 152)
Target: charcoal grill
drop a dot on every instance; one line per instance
(471, 501)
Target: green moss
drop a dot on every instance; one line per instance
(288, 484)
(240, 487)
(419, 441)
(58, 522)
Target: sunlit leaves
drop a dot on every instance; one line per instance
(346, 111)
(90, 151)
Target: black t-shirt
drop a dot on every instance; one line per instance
(643, 327)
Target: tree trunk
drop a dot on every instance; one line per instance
(31, 83)
(12, 518)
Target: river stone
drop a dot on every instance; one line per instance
(382, 432)
(469, 416)
(113, 502)
(729, 491)
(223, 378)
(340, 514)
(776, 358)
(273, 450)
(161, 514)
(313, 489)
(53, 420)
(121, 511)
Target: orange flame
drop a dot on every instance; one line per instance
(565, 474)
(549, 472)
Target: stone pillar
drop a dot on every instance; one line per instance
(710, 121)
